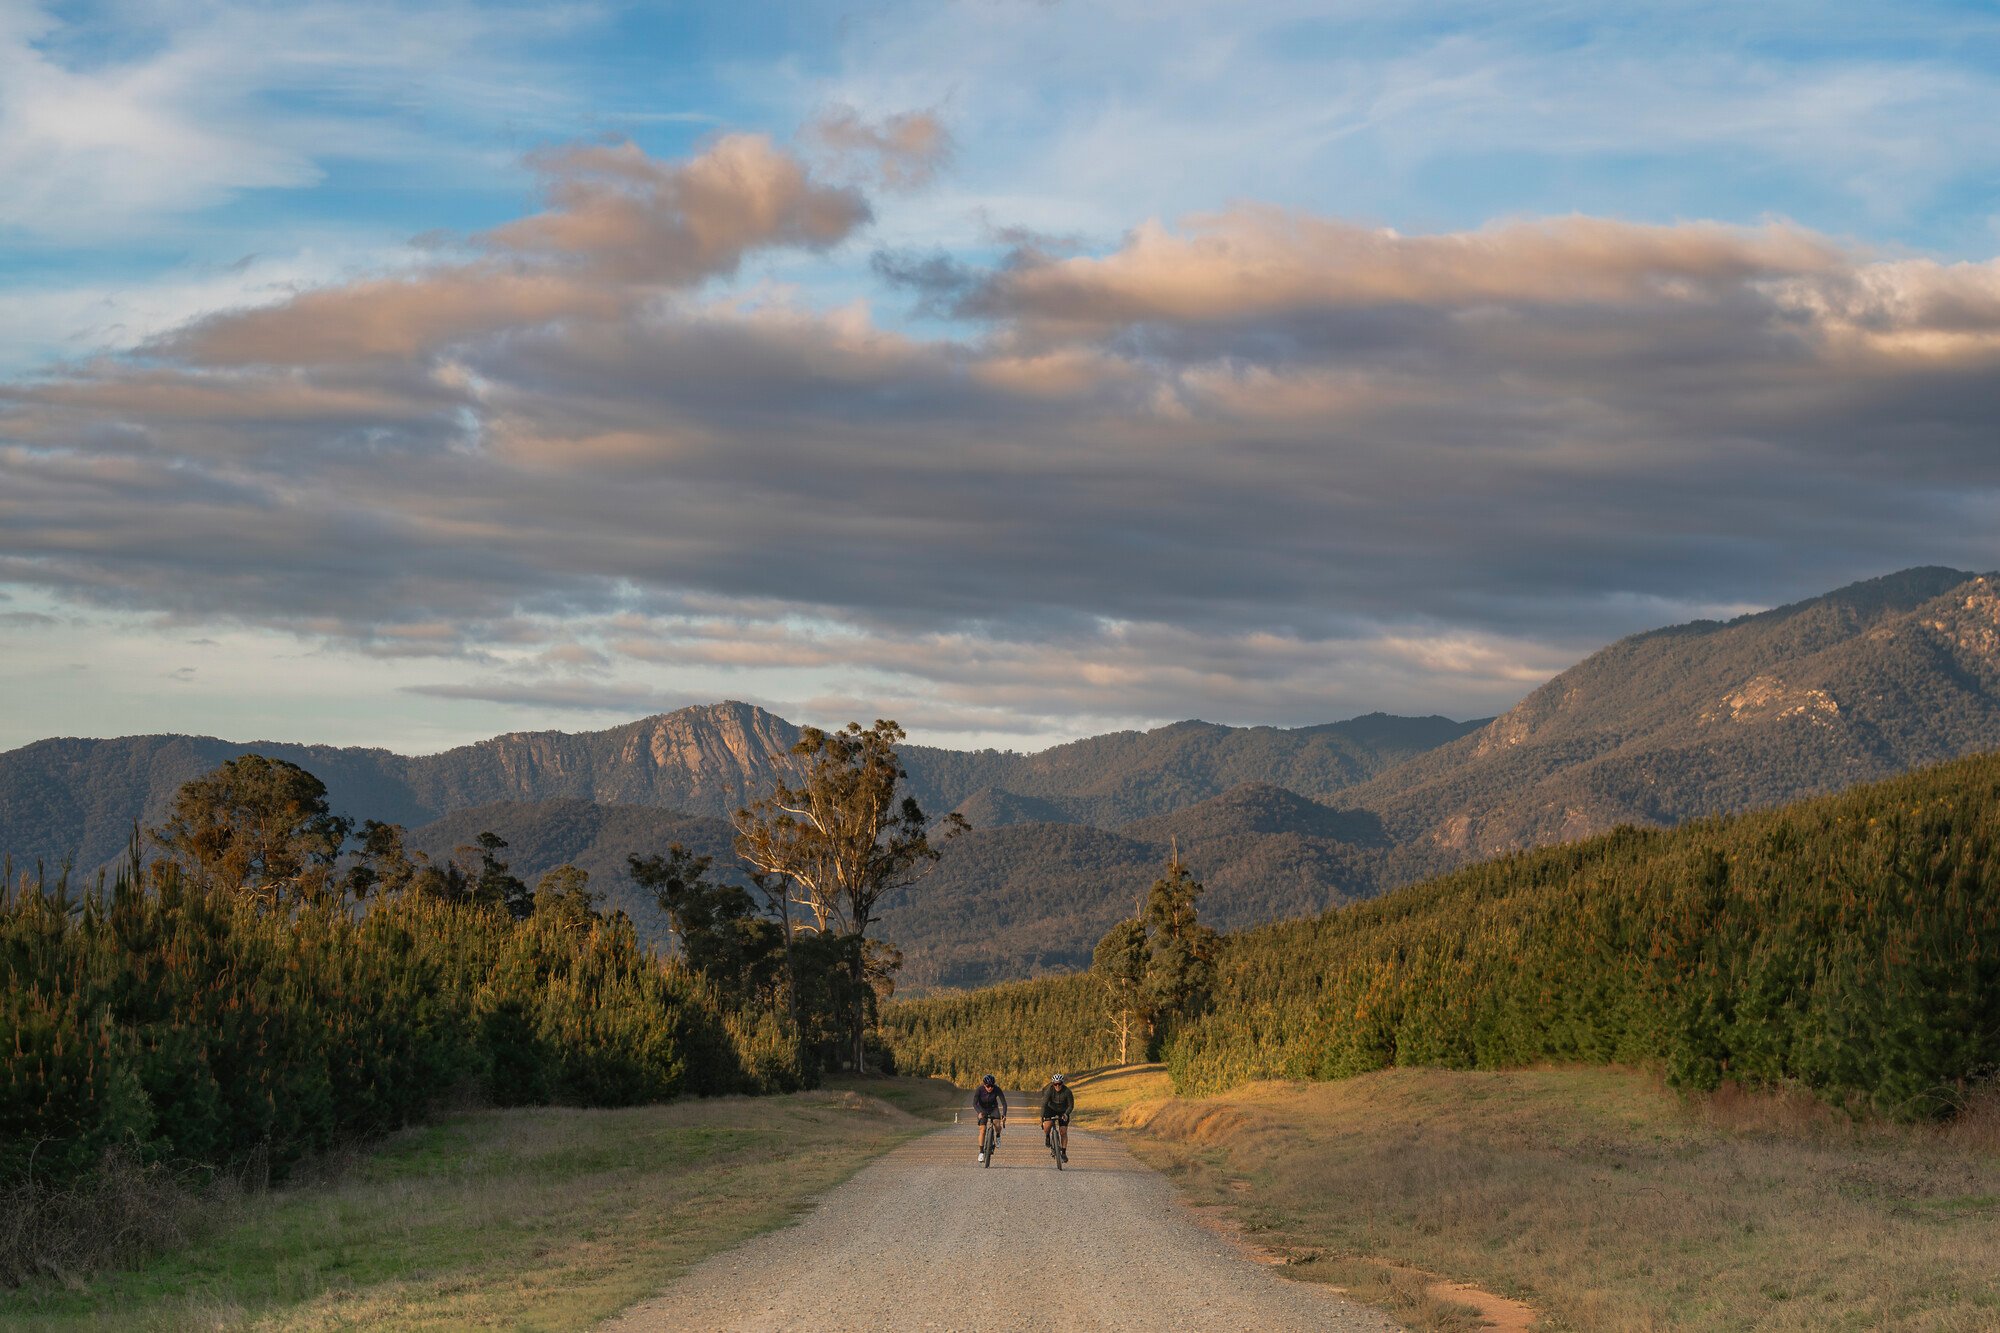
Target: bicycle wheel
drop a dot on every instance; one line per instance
(988, 1140)
(1055, 1145)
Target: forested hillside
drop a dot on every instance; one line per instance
(1860, 684)
(1013, 901)
(1114, 779)
(69, 798)
(1850, 944)
(597, 839)
(1027, 899)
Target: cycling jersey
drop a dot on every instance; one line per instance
(989, 1101)
(1057, 1102)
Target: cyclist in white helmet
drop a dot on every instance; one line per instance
(1058, 1102)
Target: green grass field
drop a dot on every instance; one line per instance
(1595, 1195)
(524, 1219)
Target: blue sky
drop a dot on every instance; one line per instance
(172, 164)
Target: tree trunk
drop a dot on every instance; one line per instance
(860, 1003)
(802, 1050)
(792, 1003)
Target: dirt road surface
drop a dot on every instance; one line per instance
(927, 1239)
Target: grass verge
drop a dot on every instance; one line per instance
(1596, 1196)
(924, 1098)
(542, 1218)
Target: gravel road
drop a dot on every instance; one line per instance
(927, 1239)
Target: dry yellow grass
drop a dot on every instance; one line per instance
(1597, 1196)
(532, 1219)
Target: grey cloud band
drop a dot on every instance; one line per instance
(1280, 446)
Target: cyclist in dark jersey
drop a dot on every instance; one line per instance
(1057, 1104)
(991, 1103)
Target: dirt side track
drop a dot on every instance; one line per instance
(927, 1239)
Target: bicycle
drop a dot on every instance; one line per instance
(989, 1138)
(1056, 1136)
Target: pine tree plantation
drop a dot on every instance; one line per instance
(1849, 944)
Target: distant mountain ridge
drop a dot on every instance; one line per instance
(1863, 683)
(1113, 779)
(70, 797)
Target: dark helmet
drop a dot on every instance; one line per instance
(988, 1080)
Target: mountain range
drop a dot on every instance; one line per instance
(76, 798)
(1861, 683)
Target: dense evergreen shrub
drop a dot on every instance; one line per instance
(1022, 1032)
(196, 1026)
(1849, 944)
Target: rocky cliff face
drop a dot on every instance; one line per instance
(1967, 623)
(710, 759)
(1860, 684)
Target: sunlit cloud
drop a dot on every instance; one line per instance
(845, 396)
(1252, 465)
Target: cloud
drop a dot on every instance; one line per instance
(390, 318)
(1260, 262)
(899, 151)
(127, 138)
(1440, 116)
(113, 123)
(941, 281)
(1117, 673)
(578, 696)
(620, 227)
(622, 215)
(1259, 464)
